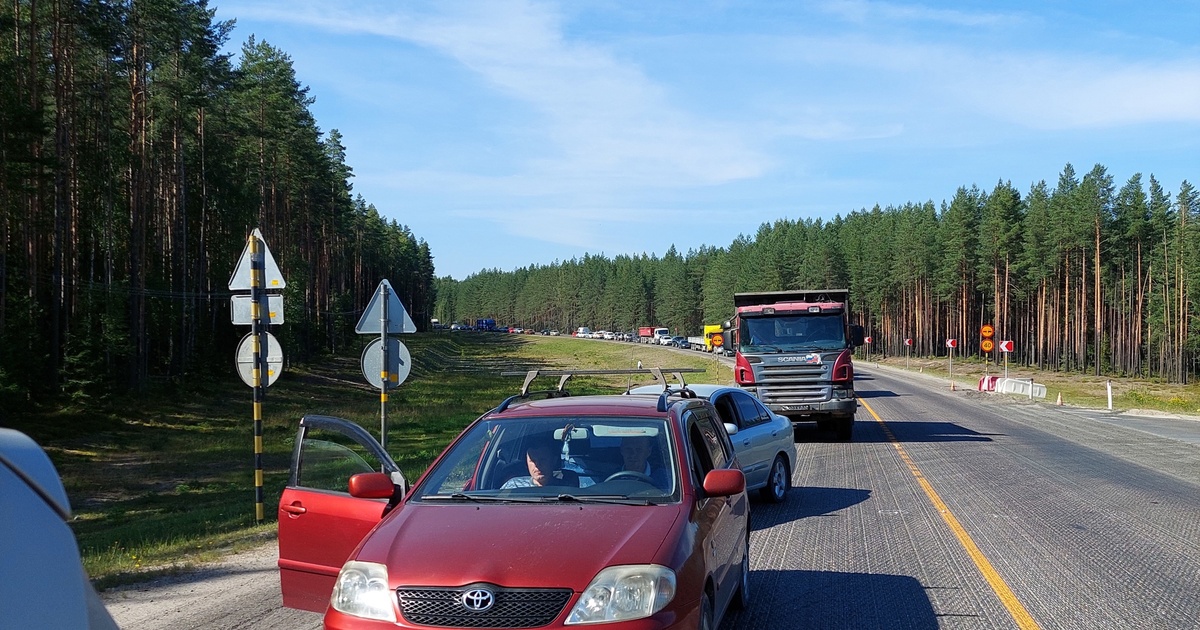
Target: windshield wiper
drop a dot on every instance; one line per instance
(619, 499)
(477, 498)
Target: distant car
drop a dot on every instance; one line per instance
(678, 342)
(44, 582)
(764, 440)
(478, 543)
(553, 333)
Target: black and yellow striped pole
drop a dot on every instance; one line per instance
(383, 374)
(259, 362)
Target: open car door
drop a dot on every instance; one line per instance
(319, 522)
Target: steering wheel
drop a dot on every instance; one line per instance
(630, 474)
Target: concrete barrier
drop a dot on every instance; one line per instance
(1020, 387)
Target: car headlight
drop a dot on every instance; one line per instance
(623, 593)
(362, 590)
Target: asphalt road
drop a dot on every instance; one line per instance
(1073, 518)
(950, 509)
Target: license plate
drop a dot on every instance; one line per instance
(797, 407)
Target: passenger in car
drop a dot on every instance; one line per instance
(544, 461)
(635, 457)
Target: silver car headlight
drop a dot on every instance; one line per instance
(623, 593)
(362, 590)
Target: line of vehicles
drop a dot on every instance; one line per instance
(794, 350)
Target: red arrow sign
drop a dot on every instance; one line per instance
(908, 342)
(867, 339)
(951, 343)
(1006, 346)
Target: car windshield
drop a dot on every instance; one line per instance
(793, 332)
(558, 459)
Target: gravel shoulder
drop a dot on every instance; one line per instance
(239, 591)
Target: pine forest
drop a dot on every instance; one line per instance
(135, 160)
(1080, 276)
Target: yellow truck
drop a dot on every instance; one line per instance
(712, 339)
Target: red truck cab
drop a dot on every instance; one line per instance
(794, 351)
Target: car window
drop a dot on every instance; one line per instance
(749, 410)
(763, 413)
(327, 460)
(521, 458)
(712, 451)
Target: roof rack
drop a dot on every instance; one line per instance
(565, 375)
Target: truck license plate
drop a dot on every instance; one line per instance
(797, 407)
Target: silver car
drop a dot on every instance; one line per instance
(762, 438)
(44, 582)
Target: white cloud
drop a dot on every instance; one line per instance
(604, 118)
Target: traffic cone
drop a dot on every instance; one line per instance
(1059, 402)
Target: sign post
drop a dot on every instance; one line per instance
(907, 351)
(385, 362)
(258, 352)
(952, 344)
(1006, 346)
(986, 345)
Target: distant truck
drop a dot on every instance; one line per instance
(794, 350)
(653, 334)
(712, 339)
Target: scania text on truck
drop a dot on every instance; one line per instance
(794, 350)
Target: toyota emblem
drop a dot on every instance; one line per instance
(478, 599)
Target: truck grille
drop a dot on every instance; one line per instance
(793, 383)
(513, 608)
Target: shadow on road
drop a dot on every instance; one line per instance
(803, 502)
(791, 600)
(868, 431)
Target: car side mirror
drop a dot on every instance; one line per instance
(724, 482)
(731, 428)
(857, 337)
(371, 485)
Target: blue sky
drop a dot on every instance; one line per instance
(516, 133)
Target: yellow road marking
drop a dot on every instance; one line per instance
(999, 586)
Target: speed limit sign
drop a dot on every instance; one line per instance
(986, 345)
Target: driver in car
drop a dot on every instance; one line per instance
(544, 461)
(635, 458)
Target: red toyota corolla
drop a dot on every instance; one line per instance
(620, 511)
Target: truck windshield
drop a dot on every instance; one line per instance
(793, 332)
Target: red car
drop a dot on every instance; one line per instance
(546, 512)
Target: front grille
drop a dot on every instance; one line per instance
(793, 383)
(514, 607)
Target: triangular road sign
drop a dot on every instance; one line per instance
(272, 279)
(398, 320)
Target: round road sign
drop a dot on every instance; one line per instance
(986, 345)
(245, 361)
(987, 331)
(399, 362)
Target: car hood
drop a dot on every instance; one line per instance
(517, 545)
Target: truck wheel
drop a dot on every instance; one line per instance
(845, 429)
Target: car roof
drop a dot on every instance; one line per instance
(28, 460)
(600, 405)
(703, 390)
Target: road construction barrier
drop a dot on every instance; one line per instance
(1022, 387)
(988, 383)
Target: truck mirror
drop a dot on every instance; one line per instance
(727, 325)
(856, 335)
